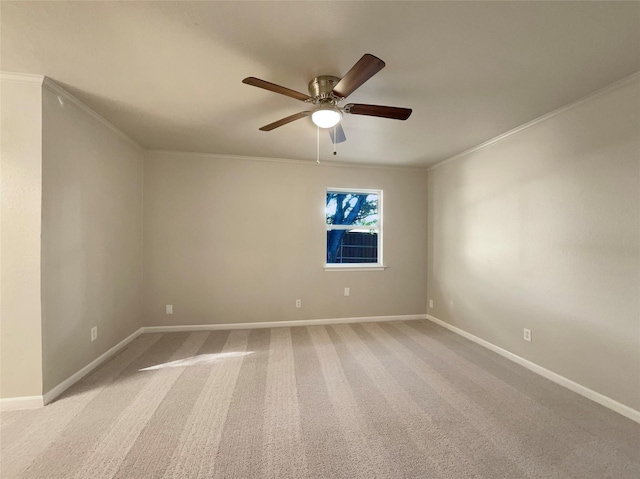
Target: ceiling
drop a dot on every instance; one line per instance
(169, 74)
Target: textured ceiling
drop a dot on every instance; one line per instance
(169, 73)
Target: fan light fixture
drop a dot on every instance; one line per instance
(326, 117)
(325, 94)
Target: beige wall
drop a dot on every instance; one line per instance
(541, 230)
(20, 326)
(91, 238)
(231, 241)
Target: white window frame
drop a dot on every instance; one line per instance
(379, 266)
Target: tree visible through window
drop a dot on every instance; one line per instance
(354, 225)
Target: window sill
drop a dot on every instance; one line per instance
(354, 267)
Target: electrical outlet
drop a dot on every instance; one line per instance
(431, 303)
(94, 333)
(169, 309)
(527, 334)
(298, 303)
(347, 291)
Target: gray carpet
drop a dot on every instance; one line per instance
(377, 400)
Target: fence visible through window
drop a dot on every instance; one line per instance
(357, 247)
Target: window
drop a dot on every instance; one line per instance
(354, 228)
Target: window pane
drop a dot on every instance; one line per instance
(352, 209)
(352, 246)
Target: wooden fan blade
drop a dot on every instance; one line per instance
(339, 135)
(392, 112)
(253, 81)
(366, 67)
(284, 121)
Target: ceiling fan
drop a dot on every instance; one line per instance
(326, 92)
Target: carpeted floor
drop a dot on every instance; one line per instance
(377, 400)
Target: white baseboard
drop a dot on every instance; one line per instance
(278, 324)
(29, 402)
(24, 402)
(70, 381)
(556, 378)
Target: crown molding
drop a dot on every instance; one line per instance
(22, 78)
(216, 156)
(607, 89)
(52, 86)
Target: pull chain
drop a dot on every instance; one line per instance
(318, 145)
(335, 140)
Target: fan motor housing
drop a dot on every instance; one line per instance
(320, 87)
